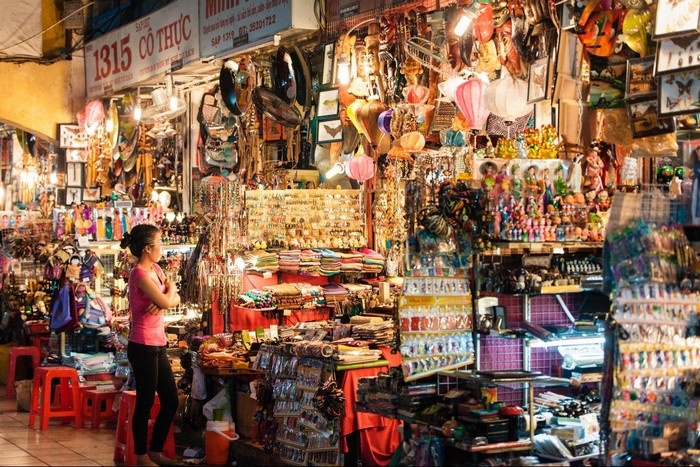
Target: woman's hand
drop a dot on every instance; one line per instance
(153, 309)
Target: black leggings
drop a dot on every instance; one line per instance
(152, 373)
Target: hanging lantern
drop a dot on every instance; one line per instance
(507, 98)
(92, 115)
(361, 167)
(353, 112)
(369, 115)
(471, 101)
(384, 121)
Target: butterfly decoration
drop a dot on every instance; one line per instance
(671, 104)
(684, 88)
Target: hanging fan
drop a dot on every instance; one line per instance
(425, 53)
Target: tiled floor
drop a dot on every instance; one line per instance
(59, 445)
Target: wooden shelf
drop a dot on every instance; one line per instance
(515, 248)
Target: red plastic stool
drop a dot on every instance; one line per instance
(68, 389)
(97, 406)
(15, 353)
(124, 443)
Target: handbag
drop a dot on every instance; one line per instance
(64, 316)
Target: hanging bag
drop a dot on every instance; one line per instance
(64, 316)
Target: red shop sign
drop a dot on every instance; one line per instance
(142, 49)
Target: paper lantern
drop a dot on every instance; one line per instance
(369, 116)
(353, 112)
(471, 101)
(384, 121)
(361, 167)
(507, 98)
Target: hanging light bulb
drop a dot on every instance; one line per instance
(470, 13)
(336, 170)
(173, 103)
(343, 69)
(109, 125)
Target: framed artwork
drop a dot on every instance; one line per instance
(61, 197)
(676, 18)
(71, 137)
(74, 174)
(74, 195)
(92, 194)
(640, 77)
(679, 93)
(645, 120)
(564, 10)
(677, 53)
(328, 104)
(328, 76)
(538, 79)
(329, 131)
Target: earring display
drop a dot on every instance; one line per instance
(305, 218)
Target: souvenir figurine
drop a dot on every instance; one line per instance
(594, 170)
(575, 175)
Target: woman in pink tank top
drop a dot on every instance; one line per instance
(150, 294)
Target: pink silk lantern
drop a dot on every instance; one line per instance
(361, 167)
(471, 101)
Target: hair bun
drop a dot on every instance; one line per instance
(126, 240)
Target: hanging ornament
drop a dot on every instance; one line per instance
(384, 121)
(471, 101)
(353, 112)
(368, 116)
(361, 167)
(507, 98)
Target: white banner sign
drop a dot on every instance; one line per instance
(142, 49)
(230, 25)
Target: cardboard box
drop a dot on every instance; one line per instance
(246, 407)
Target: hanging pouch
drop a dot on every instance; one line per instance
(73, 268)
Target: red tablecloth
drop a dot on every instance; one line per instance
(379, 436)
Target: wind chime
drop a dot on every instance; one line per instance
(213, 273)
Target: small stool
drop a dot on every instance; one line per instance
(97, 406)
(68, 389)
(124, 441)
(15, 353)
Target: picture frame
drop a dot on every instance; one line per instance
(679, 93)
(328, 104)
(92, 194)
(329, 131)
(74, 174)
(70, 136)
(676, 54)
(328, 73)
(538, 79)
(640, 78)
(60, 197)
(74, 195)
(564, 10)
(676, 18)
(645, 119)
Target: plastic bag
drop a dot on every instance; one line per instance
(220, 402)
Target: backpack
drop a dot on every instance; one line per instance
(64, 316)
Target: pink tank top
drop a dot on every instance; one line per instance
(146, 328)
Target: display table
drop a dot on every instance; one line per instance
(378, 437)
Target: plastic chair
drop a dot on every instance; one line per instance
(124, 442)
(97, 406)
(15, 353)
(68, 391)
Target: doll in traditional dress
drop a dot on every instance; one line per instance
(575, 175)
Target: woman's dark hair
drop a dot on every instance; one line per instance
(140, 237)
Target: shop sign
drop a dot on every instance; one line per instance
(228, 25)
(142, 49)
